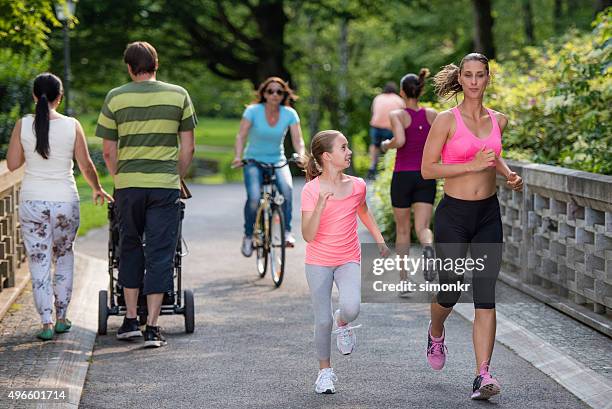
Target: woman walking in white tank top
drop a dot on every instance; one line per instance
(49, 201)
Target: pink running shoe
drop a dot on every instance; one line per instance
(436, 350)
(485, 386)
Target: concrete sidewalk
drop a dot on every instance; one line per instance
(253, 345)
(27, 363)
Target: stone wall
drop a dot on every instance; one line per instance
(558, 236)
(12, 252)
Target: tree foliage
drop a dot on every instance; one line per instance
(24, 29)
(558, 98)
(25, 24)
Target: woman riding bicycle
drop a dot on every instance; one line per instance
(264, 124)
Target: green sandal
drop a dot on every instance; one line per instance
(45, 334)
(61, 327)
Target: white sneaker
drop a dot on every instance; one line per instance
(325, 381)
(289, 239)
(346, 339)
(247, 246)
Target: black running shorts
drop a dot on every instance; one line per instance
(408, 187)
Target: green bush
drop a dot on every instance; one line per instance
(557, 98)
(17, 71)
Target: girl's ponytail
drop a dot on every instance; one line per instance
(312, 170)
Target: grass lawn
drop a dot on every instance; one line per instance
(217, 132)
(92, 216)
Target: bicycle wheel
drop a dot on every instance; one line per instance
(277, 246)
(259, 243)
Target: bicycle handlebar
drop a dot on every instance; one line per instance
(293, 159)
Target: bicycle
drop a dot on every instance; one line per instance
(269, 228)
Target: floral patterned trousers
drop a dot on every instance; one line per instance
(49, 230)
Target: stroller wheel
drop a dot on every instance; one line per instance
(102, 311)
(189, 311)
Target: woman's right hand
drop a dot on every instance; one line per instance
(323, 197)
(482, 160)
(236, 162)
(99, 195)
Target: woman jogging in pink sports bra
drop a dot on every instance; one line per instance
(408, 188)
(468, 140)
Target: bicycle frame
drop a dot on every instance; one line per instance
(269, 197)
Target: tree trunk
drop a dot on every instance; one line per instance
(483, 28)
(601, 5)
(342, 83)
(253, 48)
(343, 72)
(528, 19)
(271, 20)
(315, 93)
(558, 16)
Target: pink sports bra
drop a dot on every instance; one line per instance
(464, 145)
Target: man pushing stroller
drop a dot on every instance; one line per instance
(141, 123)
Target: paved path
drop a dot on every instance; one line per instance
(253, 345)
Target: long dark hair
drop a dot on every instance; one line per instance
(47, 87)
(446, 82)
(289, 96)
(413, 85)
(322, 142)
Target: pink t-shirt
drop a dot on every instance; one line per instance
(336, 241)
(382, 105)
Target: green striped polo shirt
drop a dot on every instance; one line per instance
(145, 118)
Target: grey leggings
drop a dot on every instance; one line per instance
(320, 280)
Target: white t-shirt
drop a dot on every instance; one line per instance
(49, 179)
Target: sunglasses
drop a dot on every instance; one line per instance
(277, 92)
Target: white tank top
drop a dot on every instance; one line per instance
(49, 179)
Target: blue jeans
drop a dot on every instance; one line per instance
(253, 180)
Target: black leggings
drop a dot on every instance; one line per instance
(474, 224)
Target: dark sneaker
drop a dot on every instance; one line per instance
(485, 386)
(429, 271)
(129, 329)
(153, 337)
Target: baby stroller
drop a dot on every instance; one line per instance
(177, 301)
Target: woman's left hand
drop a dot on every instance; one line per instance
(100, 195)
(384, 146)
(515, 181)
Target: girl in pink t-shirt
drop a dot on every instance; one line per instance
(331, 202)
